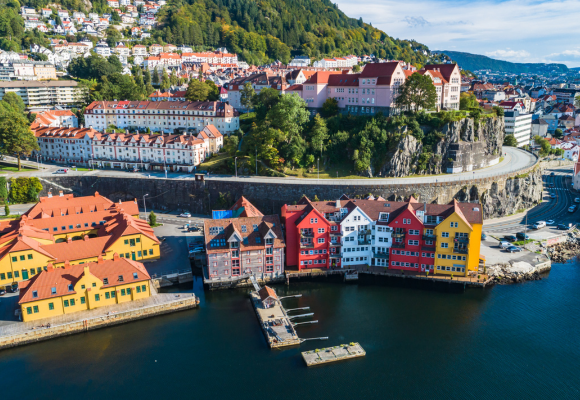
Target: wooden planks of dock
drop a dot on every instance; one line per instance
(275, 324)
(333, 354)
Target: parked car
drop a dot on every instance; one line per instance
(12, 288)
(2, 291)
(564, 227)
(553, 195)
(483, 236)
(550, 222)
(552, 174)
(577, 200)
(185, 215)
(514, 249)
(522, 236)
(194, 229)
(504, 245)
(61, 171)
(510, 238)
(571, 209)
(539, 225)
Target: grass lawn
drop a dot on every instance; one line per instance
(4, 168)
(12, 216)
(216, 162)
(250, 115)
(335, 171)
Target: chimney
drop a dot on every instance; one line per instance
(100, 260)
(90, 127)
(86, 271)
(69, 239)
(50, 267)
(49, 194)
(96, 194)
(60, 193)
(116, 257)
(66, 264)
(86, 237)
(70, 126)
(337, 205)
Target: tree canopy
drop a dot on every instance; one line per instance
(417, 93)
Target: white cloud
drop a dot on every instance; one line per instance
(538, 29)
(509, 54)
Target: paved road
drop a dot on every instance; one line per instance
(515, 160)
(550, 209)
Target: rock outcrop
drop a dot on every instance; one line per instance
(518, 194)
(465, 146)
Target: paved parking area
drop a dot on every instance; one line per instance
(494, 255)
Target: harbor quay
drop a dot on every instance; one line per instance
(21, 333)
(333, 354)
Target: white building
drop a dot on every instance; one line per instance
(519, 125)
(43, 93)
(300, 61)
(162, 116)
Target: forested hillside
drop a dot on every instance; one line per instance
(474, 62)
(271, 29)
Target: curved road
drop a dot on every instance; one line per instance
(550, 209)
(514, 160)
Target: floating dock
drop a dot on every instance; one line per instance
(277, 327)
(332, 354)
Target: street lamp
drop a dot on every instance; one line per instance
(236, 166)
(145, 205)
(318, 166)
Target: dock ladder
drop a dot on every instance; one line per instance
(255, 283)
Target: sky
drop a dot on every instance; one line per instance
(510, 30)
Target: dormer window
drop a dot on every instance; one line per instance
(105, 281)
(235, 245)
(53, 291)
(135, 275)
(120, 278)
(70, 288)
(383, 216)
(270, 241)
(34, 294)
(255, 228)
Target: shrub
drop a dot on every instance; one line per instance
(152, 219)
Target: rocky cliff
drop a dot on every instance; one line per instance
(465, 145)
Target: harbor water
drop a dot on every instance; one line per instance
(518, 342)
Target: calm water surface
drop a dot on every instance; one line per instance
(519, 341)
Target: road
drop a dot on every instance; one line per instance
(550, 209)
(514, 160)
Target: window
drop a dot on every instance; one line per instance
(51, 306)
(413, 232)
(30, 256)
(82, 286)
(122, 292)
(53, 291)
(444, 245)
(97, 297)
(105, 281)
(28, 310)
(83, 300)
(454, 224)
(413, 243)
(14, 259)
(22, 258)
(128, 291)
(320, 240)
(113, 294)
(132, 242)
(94, 284)
(107, 295)
(139, 253)
(143, 288)
(445, 234)
(35, 308)
(150, 252)
(320, 230)
(120, 278)
(138, 289)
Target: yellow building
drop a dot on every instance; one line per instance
(458, 240)
(73, 288)
(79, 231)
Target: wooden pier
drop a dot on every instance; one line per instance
(333, 354)
(275, 324)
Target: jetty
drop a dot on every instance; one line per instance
(333, 354)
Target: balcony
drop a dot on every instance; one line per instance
(335, 243)
(384, 256)
(459, 251)
(461, 240)
(306, 245)
(335, 233)
(306, 234)
(429, 237)
(428, 248)
(335, 255)
(398, 245)
(364, 240)
(398, 235)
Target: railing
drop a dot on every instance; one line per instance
(398, 245)
(428, 248)
(335, 243)
(398, 235)
(335, 233)
(384, 256)
(461, 240)
(306, 234)
(429, 237)
(306, 245)
(460, 251)
(364, 241)
(335, 255)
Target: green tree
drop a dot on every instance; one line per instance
(213, 92)
(418, 92)
(165, 83)
(152, 219)
(289, 115)
(499, 111)
(356, 68)
(319, 134)
(510, 140)
(264, 102)
(196, 91)
(6, 209)
(3, 189)
(329, 107)
(16, 138)
(247, 95)
(558, 133)
(231, 144)
(14, 101)
(155, 77)
(468, 101)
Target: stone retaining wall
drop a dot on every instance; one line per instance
(503, 194)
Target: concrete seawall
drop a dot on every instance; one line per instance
(501, 195)
(30, 332)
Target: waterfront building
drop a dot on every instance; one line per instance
(73, 288)
(413, 236)
(162, 116)
(239, 247)
(66, 229)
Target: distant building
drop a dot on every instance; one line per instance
(43, 93)
(519, 125)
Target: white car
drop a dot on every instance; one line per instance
(61, 171)
(185, 215)
(539, 225)
(550, 222)
(577, 200)
(505, 245)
